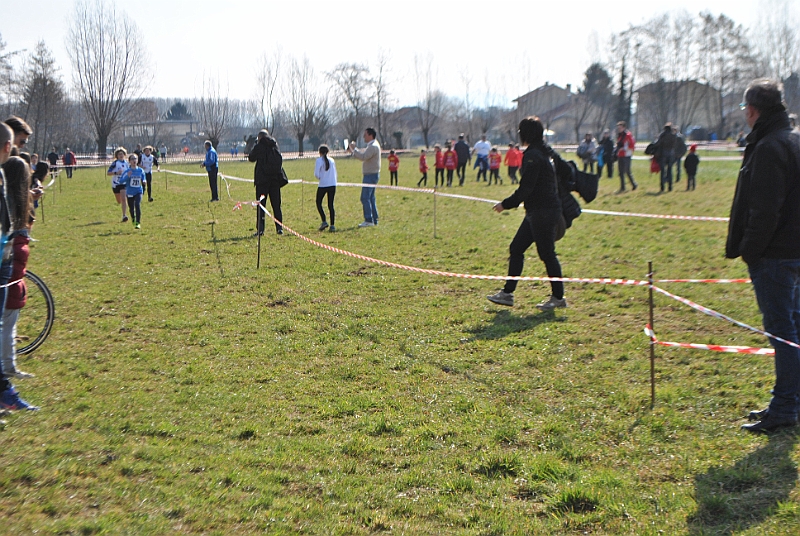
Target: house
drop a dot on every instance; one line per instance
(684, 103)
(566, 115)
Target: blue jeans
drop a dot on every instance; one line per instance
(368, 198)
(5, 277)
(777, 286)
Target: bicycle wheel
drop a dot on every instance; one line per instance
(37, 317)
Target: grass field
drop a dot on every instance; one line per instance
(185, 391)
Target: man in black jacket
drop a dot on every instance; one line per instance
(538, 189)
(267, 176)
(665, 151)
(764, 229)
(462, 152)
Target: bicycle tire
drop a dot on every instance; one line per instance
(37, 317)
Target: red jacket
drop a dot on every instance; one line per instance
(626, 144)
(423, 163)
(450, 159)
(495, 159)
(513, 158)
(17, 294)
(439, 160)
(394, 162)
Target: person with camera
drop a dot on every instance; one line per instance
(268, 178)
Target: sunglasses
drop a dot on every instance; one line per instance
(743, 105)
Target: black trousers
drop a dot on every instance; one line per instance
(439, 171)
(330, 191)
(539, 227)
(149, 177)
(273, 191)
(461, 171)
(212, 183)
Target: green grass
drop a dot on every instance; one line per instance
(185, 391)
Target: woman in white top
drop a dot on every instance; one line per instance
(325, 172)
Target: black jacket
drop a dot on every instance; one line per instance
(608, 149)
(665, 143)
(538, 188)
(765, 216)
(462, 151)
(691, 163)
(265, 172)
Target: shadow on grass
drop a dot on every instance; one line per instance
(732, 499)
(505, 323)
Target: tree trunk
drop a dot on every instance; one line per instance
(425, 138)
(102, 141)
(300, 143)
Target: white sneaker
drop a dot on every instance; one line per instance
(502, 298)
(552, 303)
(366, 224)
(18, 374)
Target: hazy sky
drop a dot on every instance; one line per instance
(516, 46)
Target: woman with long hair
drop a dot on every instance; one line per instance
(325, 172)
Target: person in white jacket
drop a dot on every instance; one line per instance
(325, 172)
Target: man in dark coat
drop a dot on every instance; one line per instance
(462, 151)
(764, 230)
(665, 153)
(267, 176)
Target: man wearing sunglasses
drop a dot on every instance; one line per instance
(22, 131)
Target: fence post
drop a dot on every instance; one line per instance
(652, 344)
(434, 211)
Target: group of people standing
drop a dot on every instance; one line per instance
(456, 156)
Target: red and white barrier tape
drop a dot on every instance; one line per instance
(644, 215)
(713, 347)
(746, 280)
(608, 281)
(715, 314)
(481, 199)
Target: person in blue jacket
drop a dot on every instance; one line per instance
(134, 180)
(211, 163)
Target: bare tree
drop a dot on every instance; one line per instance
(42, 96)
(7, 79)
(354, 96)
(300, 103)
(726, 59)
(267, 77)
(104, 47)
(319, 119)
(430, 100)
(777, 40)
(213, 110)
(381, 94)
(464, 115)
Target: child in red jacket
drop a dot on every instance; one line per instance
(394, 163)
(495, 159)
(439, 165)
(450, 163)
(423, 168)
(513, 160)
